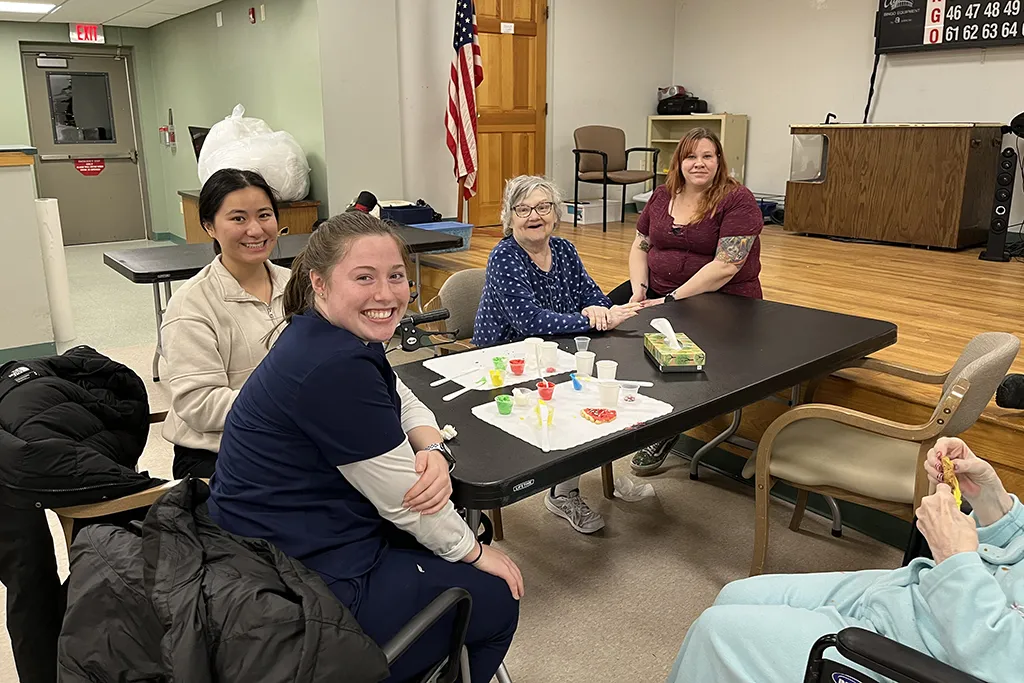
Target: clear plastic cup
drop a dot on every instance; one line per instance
(504, 403)
(585, 363)
(582, 343)
(549, 354)
(521, 396)
(630, 391)
(497, 377)
(606, 369)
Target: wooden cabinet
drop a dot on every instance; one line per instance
(298, 217)
(922, 184)
(664, 133)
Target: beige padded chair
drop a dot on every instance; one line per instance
(460, 294)
(602, 157)
(869, 460)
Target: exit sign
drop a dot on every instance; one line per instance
(86, 33)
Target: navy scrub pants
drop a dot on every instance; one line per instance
(406, 581)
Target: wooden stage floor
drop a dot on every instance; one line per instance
(939, 300)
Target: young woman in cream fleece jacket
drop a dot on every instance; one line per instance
(216, 328)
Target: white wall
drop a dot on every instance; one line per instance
(607, 60)
(424, 55)
(362, 123)
(793, 61)
(614, 84)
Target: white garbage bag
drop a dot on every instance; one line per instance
(250, 144)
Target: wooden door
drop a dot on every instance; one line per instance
(511, 101)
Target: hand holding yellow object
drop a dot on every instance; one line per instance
(949, 477)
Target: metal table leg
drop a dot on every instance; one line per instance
(158, 305)
(159, 308)
(837, 517)
(502, 674)
(737, 415)
(473, 520)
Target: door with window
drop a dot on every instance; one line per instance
(82, 124)
(510, 101)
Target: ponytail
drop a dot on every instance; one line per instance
(298, 294)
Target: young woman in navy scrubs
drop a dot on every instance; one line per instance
(320, 449)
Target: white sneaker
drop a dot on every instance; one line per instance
(573, 509)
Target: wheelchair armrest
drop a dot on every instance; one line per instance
(893, 660)
(462, 601)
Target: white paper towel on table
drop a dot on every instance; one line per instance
(457, 363)
(55, 270)
(569, 429)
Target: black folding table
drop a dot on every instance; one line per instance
(754, 349)
(164, 265)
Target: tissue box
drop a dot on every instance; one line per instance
(689, 358)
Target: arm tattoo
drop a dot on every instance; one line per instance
(644, 245)
(734, 250)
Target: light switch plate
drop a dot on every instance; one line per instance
(220, 19)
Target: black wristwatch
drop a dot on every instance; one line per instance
(669, 297)
(442, 448)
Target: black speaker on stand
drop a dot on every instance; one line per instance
(995, 249)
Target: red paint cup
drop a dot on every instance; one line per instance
(517, 366)
(546, 390)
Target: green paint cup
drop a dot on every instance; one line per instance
(499, 362)
(504, 404)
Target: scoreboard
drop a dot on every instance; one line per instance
(924, 25)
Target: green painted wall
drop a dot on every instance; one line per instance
(14, 113)
(202, 71)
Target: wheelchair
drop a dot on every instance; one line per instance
(880, 654)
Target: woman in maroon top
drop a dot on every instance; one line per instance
(698, 233)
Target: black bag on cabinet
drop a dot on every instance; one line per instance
(675, 106)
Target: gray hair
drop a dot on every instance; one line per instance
(519, 188)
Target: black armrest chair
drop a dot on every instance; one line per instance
(878, 653)
(458, 599)
(613, 168)
(881, 655)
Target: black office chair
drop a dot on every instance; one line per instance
(878, 653)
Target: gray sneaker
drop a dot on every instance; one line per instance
(573, 509)
(649, 459)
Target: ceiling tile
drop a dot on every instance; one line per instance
(91, 11)
(178, 6)
(141, 19)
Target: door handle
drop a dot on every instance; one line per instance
(132, 155)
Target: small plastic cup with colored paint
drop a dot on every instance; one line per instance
(504, 403)
(521, 396)
(517, 366)
(577, 385)
(499, 362)
(546, 390)
(630, 391)
(497, 377)
(582, 343)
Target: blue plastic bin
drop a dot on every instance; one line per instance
(463, 230)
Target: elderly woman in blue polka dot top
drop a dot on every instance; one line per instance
(536, 285)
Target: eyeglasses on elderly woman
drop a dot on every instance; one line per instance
(524, 211)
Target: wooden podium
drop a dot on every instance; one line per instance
(906, 183)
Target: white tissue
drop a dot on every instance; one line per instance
(448, 432)
(665, 327)
(630, 491)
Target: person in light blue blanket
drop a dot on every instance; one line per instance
(965, 608)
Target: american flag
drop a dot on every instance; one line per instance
(467, 73)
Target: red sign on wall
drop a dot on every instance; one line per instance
(86, 33)
(90, 167)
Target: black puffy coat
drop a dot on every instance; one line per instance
(182, 600)
(72, 429)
